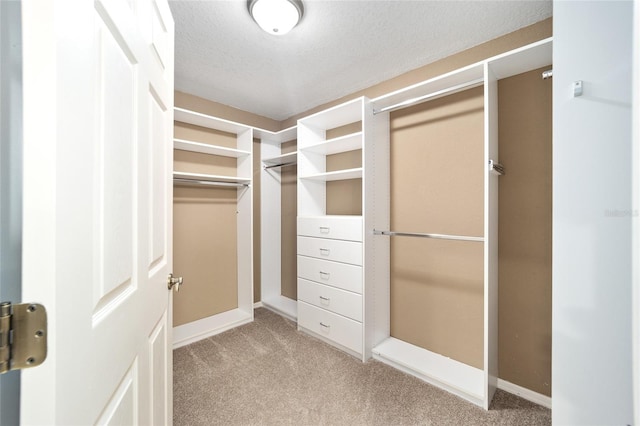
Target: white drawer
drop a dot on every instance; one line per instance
(333, 299)
(337, 227)
(339, 329)
(336, 250)
(341, 275)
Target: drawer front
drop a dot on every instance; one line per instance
(339, 228)
(340, 275)
(335, 250)
(332, 299)
(339, 329)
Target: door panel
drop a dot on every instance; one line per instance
(97, 245)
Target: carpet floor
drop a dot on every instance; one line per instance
(268, 373)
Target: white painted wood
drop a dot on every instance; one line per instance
(205, 148)
(635, 255)
(490, 351)
(335, 227)
(437, 84)
(210, 326)
(336, 274)
(332, 327)
(526, 58)
(282, 305)
(525, 393)
(204, 120)
(341, 302)
(340, 115)
(592, 214)
(337, 145)
(291, 157)
(97, 248)
(271, 223)
(451, 375)
(334, 250)
(337, 175)
(210, 178)
(245, 225)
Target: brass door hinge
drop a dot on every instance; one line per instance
(23, 335)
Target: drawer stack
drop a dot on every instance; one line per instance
(330, 279)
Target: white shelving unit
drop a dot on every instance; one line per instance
(337, 289)
(243, 313)
(473, 384)
(271, 224)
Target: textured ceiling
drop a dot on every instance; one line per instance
(339, 47)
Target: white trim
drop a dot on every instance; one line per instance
(201, 329)
(257, 305)
(525, 393)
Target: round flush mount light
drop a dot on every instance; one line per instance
(276, 17)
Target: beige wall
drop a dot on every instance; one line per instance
(437, 186)
(524, 243)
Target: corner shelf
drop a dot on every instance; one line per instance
(203, 148)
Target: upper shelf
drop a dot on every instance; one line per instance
(345, 143)
(203, 120)
(204, 148)
(340, 115)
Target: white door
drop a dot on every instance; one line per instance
(98, 119)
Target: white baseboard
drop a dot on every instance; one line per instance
(201, 329)
(525, 393)
(258, 305)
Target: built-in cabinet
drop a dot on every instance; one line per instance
(335, 299)
(200, 167)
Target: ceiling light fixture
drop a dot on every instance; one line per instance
(276, 17)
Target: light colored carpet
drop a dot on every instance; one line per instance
(268, 373)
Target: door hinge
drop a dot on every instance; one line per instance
(23, 335)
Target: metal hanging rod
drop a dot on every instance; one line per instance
(496, 167)
(209, 183)
(434, 236)
(280, 165)
(433, 95)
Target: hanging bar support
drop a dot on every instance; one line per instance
(209, 183)
(433, 95)
(496, 167)
(434, 236)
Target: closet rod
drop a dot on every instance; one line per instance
(209, 183)
(435, 236)
(280, 165)
(436, 94)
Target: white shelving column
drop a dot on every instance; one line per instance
(336, 256)
(475, 385)
(200, 329)
(270, 220)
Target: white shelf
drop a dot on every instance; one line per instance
(210, 178)
(454, 376)
(203, 120)
(291, 157)
(337, 175)
(185, 145)
(345, 143)
(340, 115)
